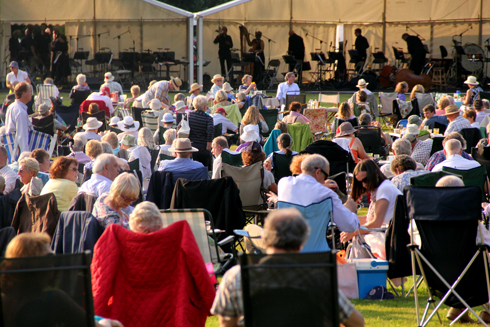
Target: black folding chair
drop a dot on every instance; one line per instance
(270, 117)
(218, 130)
(101, 116)
(231, 159)
(442, 127)
(449, 260)
(134, 165)
(69, 115)
(44, 125)
(370, 136)
(472, 177)
(301, 98)
(482, 157)
(137, 114)
(471, 135)
(436, 144)
(281, 164)
(298, 289)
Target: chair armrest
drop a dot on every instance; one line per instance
(226, 240)
(383, 229)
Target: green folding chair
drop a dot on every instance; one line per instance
(428, 179)
(218, 130)
(134, 165)
(161, 131)
(150, 121)
(270, 117)
(281, 166)
(231, 159)
(472, 177)
(165, 157)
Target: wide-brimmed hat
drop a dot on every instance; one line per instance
(14, 64)
(43, 108)
(92, 123)
(345, 129)
(155, 104)
(412, 132)
(195, 86)
(179, 105)
(451, 109)
(249, 134)
(128, 124)
(168, 118)
(362, 83)
(114, 120)
(471, 80)
(216, 77)
(108, 77)
(182, 145)
(176, 83)
(128, 139)
(253, 147)
(220, 109)
(105, 90)
(227, 87)
(414, 119)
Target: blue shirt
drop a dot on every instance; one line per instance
(179, 164)
(96, 185)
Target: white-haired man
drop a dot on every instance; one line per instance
(453, 151)
(105, 171)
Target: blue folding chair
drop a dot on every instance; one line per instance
(9, 141)
(38, 140)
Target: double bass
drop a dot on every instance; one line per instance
(391, 75)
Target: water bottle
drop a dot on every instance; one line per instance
(458, 92)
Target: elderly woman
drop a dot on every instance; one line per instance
(221, 99)
(128, 144)
(348, 132)
(247, 85)
(111, 138)
(28, 170)
(401, 88)
(202, 131)
(368, 179)
(79, 92)
(442, 103)
(399, 147)
(472, 93)
(93, 149)
(295, 115)
(145, 218)
(169, 136)
(114, 207)
(218, 81)
(77, 151)
(253, 153)
(403, 167)
(142, 152)
(64, 173)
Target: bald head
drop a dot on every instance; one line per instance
(450, 181)
(452, 147)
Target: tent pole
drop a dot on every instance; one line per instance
(480, 24)
(141, 35)
(94, 36)
(384, 26)
(199, 49)
(291, 15)
(190, 50)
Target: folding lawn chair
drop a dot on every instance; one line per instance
(9, 141)
(231, 159)
(472, 177)
(38, 140)
(150, 121)
(281, 165)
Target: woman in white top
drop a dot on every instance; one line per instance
(253, 117)
(368, 179)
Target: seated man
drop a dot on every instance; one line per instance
(43, 111)
(113, 86)
(420, 149)
(431, 117)
(219, 145)
(399, 147)
(440, 156)
(77, 151)
(105, 170)
(456, 121)
(220, 118)
(91, 128)
(287, 87)
(7, 173)
(285, 230)
(453, 150)
(480, 113)
(169, 137)
(183, 151)
(367, 120)
(103, 95)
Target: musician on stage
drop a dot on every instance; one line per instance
(14, 45)
(417, 51)
(287, 87)
(258, 47)
(60, 59)
(42, 41)
(225, 44)
(361, 46)
(296, 49)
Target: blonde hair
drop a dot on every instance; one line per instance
(30, 164)
(245, 78)
(345, 111)
(93, 149)
(145, 138)
(443, 103)
(126, 185)
(145, 218)
(135, 90)
(251, 117)
(221, 96)
(241, 97)
(111, 138)
(170, 135)
(416, 89)
(28, 245)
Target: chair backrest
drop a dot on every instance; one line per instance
(79, 96)
(9, 141)
(318, 118)
(301, 135)
(442, 127)
(471, 135)
(483, 95)
(102, 106)
(428, 179)
(69, 115)
(424, 99)
(134, 165)
(298, 289)
(440, 220)
(281, 165)
(82, 202)
(483, 158)
(101, 115)
(472, 177)
(329, 98)
(38, 140)
(137, 112)
(45, 92)
(231, 159)
(318, 216)
(218, 130)
(44, 125)
(371, 139)
(270, 117)
(436, 145)
(35, 283)
(166, 157)
(248, 180)
(150, 121)
(386, 100)
(301, 98)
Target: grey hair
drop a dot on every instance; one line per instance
(30, 164)
(81, 137)
(455, 136)
(221, 96)
(312, 163)
(402, 146)
(101, 161)
(145, 138)
(170, 135)
(452, 147)
(145, 218)
(200, 102)
(403, 162)
(285, 229)
(111, 138)
(450, 181)
(77, 145)
(81, 78)
(365, 119)
(106, 147)
(288, 75)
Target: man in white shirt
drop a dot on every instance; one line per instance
(105, 171)
(103, 95)
(287, 87)
(219, 145)
(7, 172)
(480, 114)
(16, 76)
(17, 120)
(220, 118)
(113, 86)
(453, 150)
(362, 85)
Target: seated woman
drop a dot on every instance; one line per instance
(63, 174)
(93, 108)
(253, 153)
(416, 89)
(229, 91)
(247, 85)
(128, 144)
(218, 81)
(347, 131)
(254, 118)
(135, 92)
(221, 99)
(403, 167)
(242, 99)
(294, 115)
(93, 149)
(145, 218)
(473, 91)
(169, 136)
(142, 152)
(111, 138)
(284, 142)
(81, 91)
(345, 114)
(28, 170)
(401, 88)
(77, 151)
(114, 207)
(44, 111)
(368, 179)
(194, 91)
(442, 103)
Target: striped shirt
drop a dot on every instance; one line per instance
(202, 128)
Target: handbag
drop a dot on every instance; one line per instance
(184, 129)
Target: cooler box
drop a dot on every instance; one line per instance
(370, 273)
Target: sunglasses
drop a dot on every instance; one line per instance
(128, 199)
(324, 173)
(365, 180)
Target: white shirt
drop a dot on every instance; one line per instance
(18, 121)
(92, 136)
(386, 190)
(164, 149)
(96, 185)
(456, 161)
(225, 123)
(304, 190)
(217, 164)
(480, 115)
(475, 125)
(284, 88)
(366, 90)
(21, 77)
(10, 178)
(142, 153)
(97, 96)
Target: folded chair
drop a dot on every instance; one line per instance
(36, 283)
(449, 260)
(298, 289)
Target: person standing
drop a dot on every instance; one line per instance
(225, 44)
(417, 51)
(42, 41)
(297, 50)
(14, 45)
(361, 46)
(17, 119)
(16, 76)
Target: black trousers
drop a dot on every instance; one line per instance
(203, 156)
(222, 58)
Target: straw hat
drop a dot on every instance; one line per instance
(168, 118)
(155, 104)
(182, 145)
(216, 77)
(227, 87)
(179, 105)
(194, 87)
(412, 132)
(471, 80)
(249, 134)
(114, 120)
(128, 124)
(362, 83)
(345, 129)
(176, 83)
(108, 77)
(92, 123)
(451, 109)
